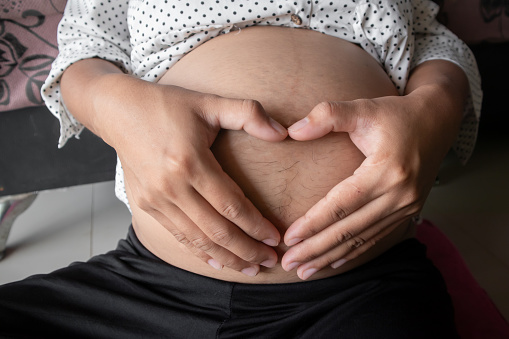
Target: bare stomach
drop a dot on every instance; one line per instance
(288, 71)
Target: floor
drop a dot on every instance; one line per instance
(471, 205)
(63, 226)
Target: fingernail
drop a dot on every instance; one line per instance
(270, 242)
(215, 264)
(309, 272)
(293, 241)
(292, 265)
(277, 126)
(338, 263)
(250, 271)
(269, 263)
(298, 125)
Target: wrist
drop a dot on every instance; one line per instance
(116, 100)
(441, 84)
(438, 90)
(436, 101)
(82, 88)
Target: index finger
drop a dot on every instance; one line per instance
(341, 201)
(226, 197)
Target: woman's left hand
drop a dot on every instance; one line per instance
(404, 139)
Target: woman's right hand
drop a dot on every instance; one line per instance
(162, 135)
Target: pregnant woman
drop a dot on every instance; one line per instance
(229, 215)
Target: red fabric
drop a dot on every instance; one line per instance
(476, 315)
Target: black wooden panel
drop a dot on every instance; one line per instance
(31, 161)
(493, 62)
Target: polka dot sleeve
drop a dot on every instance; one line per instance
(434, 41)
(88, 29)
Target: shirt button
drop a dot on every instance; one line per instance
(296, 19)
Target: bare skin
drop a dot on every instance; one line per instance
(163, 134)
(282, 70)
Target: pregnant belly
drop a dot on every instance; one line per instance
(288, 71)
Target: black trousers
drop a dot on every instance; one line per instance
(129, 293)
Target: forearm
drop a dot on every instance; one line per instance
(94, 91)
(440, 88)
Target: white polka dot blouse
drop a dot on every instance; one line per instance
(147, 37)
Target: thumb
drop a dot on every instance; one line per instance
(249, 115)
(324, 118)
